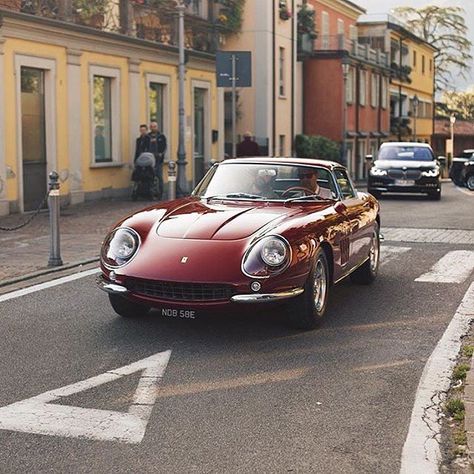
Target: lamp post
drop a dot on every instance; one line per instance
(416, 103)
(182, 184)
(345, 75)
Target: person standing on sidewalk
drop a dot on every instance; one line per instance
(158, 148)
(143, 142)
(248, 146)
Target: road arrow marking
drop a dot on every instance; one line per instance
(40, 415)
(454, 267)
(390, 252)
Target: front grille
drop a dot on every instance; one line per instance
(176, 291)
(404, 174)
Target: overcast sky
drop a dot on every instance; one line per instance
(384, 6)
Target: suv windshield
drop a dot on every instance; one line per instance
(267, 181)
(467, 154)
(406, 153)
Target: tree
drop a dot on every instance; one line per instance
(316, 146)
(444, 28)
(461, 104)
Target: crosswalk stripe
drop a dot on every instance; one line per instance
(440, 236)
(390, 252)
(454, 267)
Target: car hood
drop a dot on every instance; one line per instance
(218, 221)
(408, 164)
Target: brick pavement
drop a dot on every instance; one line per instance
(82, 226)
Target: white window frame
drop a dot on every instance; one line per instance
(384, 95)
(116, 128)
(281, 72)
(165, 81)
(325, 30)
(350, 86)
(49, 68)
(374, 93)
(362, 87)
(341, 36)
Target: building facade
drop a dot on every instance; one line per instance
(271, 108)
(346, 86)
(412, 67)
(77, 108)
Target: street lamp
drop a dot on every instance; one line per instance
(182, 184)
(345, 75)
(416, 103)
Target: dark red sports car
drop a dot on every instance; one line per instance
(254, 231)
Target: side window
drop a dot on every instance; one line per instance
(344, 183)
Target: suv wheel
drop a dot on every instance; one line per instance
(470, 182)
(435, 195)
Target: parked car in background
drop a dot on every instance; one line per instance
(254, 231)
(462, 169)
(405, 167)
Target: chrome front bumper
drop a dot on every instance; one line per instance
(116, 289)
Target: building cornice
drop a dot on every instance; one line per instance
(344, 6)
(82, 38)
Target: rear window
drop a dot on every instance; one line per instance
(467, 154)
(406, 153)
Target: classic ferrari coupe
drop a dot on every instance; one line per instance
(254, 231)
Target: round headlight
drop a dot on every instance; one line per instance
(119, 247)
(274, 252)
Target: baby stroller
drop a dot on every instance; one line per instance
(143, 177)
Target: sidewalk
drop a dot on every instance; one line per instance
(82, 227)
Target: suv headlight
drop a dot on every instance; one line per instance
(266, 257)
(431, 173)
(119, 247)
(377, 172)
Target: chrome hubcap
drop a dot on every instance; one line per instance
(374, 253)
(470, 183)
(320, 284)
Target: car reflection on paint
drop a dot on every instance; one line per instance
(255, 231)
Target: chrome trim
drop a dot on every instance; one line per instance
(267, 297)
(109, 287)
(115, 267)
(282, 269)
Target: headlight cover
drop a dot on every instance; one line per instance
(119, 247)
(268, 256)
(377, 172)
(432, 173)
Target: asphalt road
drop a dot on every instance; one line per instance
(242, 392)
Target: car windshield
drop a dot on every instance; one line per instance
(274, 182)
(467, 154)
(405, 153)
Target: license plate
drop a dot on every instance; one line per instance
(179, 313)
(405, 182)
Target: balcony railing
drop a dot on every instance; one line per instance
(153, 20)
(353, 47)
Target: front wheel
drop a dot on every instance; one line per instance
(126, 308)
(307, 310)
(368, 271)
(470, 182)
(435, 196)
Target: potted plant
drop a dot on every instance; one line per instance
(285, 13)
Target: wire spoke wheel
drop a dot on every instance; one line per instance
(320, 285)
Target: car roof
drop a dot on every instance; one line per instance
(407, 144)
(268, 160)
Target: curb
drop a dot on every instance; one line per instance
(469, 411)
(47, 271)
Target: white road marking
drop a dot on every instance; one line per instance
(465, 191)
(438, 236)
(390, 252)
(39, 415)
(454, 267)
(48, 284)
(421, 451)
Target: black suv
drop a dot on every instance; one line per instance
(462, 169)
(405, 167)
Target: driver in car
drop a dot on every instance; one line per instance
(309, 180)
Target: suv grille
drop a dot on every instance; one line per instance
(176, 291)
(404, 174)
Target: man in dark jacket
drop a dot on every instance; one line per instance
(248, 147)
(158, 148)
(143, 142)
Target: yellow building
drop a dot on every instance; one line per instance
(412, 83)
(72, 98)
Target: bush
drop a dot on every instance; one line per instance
(316, 146)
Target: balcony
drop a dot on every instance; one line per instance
(152, 20)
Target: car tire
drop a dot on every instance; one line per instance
(126, 308)
(435, 196)
(470, 182)
(307, 310)
(368, 271)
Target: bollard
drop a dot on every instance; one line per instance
(53, 204)
(171, 180)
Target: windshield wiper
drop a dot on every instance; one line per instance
(236, 195)
(311, 197)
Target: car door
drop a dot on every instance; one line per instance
(357, 213)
